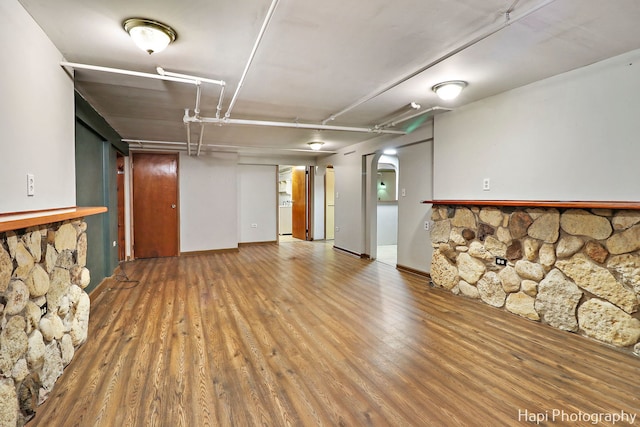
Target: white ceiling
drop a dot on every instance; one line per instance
(318, 57)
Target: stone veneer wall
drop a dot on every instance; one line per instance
(41, 269)
(573, 269)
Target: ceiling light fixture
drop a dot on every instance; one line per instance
(449, 90)
(150, 36)
(315, 145)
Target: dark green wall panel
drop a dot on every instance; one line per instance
(97, 146)
(90, 192)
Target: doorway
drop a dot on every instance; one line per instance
(120, 184)
(294, 189)
(387, 209)
(329, 203)
(155, 205)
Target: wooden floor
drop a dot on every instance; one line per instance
(302, 334)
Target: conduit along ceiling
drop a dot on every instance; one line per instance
(337, 71)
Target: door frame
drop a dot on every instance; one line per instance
(121, 215)
(132, 197)
(309, 179)
(326, 204)
(309, 202)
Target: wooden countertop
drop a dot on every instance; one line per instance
(18, 220)
(539, 204)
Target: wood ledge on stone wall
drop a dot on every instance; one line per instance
(539, 204)
(19, 220)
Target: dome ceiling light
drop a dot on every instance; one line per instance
(315, 145)
(449, 90)
(150, 36)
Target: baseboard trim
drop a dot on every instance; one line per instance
(209, 252)
(363, 256)
(268, 242)
(100, 289)
(413, 271)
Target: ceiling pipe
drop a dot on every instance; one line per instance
(186, 114)
(294, 125)
(219, 106)
(165, 75)
(267, 18)
(181, 144)
(417, 114)
(196, 109)
(162, 75)
(410, 108)
(200, 140)
(188, 138)
(161, 71)
(126, 72)
(509, 19)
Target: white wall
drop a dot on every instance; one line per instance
(36, 117)
(387, 223)
(350, 199)
(208, 202)
(570, 137)
(414, 177)
(257, 203)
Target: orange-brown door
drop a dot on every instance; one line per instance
(155, 205)
(120, 194)
(299, 199)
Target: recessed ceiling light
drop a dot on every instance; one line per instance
(449, 90)
(315, 145)
(150, 36)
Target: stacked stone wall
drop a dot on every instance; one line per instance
(44, 312)
(573, 269)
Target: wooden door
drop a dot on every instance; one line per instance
(155, 205)
(120, 194)
(299, 199)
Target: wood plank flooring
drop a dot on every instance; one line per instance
(301, 334)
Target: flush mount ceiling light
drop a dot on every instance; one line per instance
(315, 145)
(150, 36)
(449, 90)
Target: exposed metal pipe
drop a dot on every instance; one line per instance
(508, 21)
(126, 72)
(294, 125)
(161, 71)
(181, 144)
(200, 140)
(189, 138)
(196, 109)
(419, 113)
(184, 78)
(150, 141)
(267, 18)
(220, 98)
(410, 108)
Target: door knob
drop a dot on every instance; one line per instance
(173, 206)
